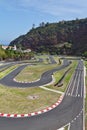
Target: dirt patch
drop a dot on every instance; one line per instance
(33, 97)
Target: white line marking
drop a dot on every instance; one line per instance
(70, 82)
(72, 121)
(84, 98)
(69, 126)
(82, 85)
(84, 82)
(77, 116)
(78, 95)
(76, 75)
(69, 85)
(78, 85)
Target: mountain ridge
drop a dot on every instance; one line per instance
(64, 37)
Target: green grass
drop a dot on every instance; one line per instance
(14, 100)
(32, 73)
(7, 71)
(66, 127)
(67, 78)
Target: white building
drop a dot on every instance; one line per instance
(10, 47)
(4, 47)
(27, 50)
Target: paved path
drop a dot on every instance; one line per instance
(52, 60)
(52, 90)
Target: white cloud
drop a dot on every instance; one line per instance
(52, 7)
(55, 7)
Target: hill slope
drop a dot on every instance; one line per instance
(65, 37)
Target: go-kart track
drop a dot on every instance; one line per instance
(69, 111)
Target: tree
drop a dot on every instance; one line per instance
(47, 24)
(33, 26)
(42, 24)
(2, 53)
(85, 54)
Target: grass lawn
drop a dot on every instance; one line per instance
(18, 100)
(67, 78)
(32, 73)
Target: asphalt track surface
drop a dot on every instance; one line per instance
(45, 77)
(70, 111)
(5, 66)
(52, 60)
(76, 90)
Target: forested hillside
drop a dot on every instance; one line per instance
(64, 37)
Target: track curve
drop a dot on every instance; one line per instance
(45, 77)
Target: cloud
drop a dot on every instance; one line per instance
(57, 7)
(51, 7)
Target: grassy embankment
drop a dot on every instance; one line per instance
(67, 78)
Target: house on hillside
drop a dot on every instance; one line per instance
(27, 50)
(4, 47)
(16, 49)
(10, 47)
(13, 47)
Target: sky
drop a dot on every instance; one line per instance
(18, 16)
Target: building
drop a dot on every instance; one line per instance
(16, 49)
(4, 47)
(10, 47)
(27, 50)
